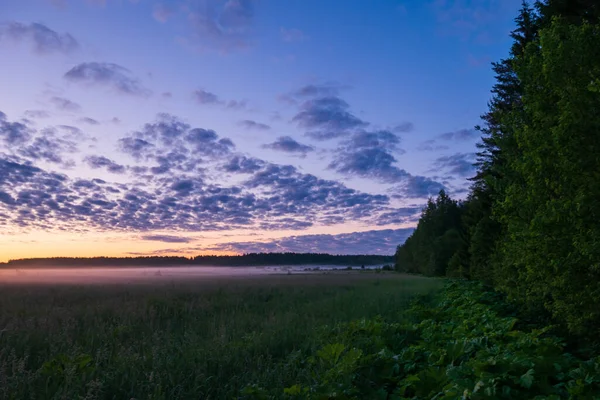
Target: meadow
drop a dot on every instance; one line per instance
(198, 339)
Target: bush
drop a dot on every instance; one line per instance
(454, 346)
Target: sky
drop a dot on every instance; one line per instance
(184, 127)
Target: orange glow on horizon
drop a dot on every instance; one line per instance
(43, 244)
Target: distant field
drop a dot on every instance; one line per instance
(199, 339)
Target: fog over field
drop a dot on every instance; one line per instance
(150, 274)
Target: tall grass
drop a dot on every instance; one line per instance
(196, 340)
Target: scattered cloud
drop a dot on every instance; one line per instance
(64, 104)
(37, 114)
(51, 145)
(370, 154)
(289, 145)
(431, 145)
(382, 242)
(13, 133)
(249, 124)
(327, 89)
(327, 118)
(43, 39)
(205, 97)
(459, 164)
(237, 104)
(243, 165)
(116, 77)
(96, 162)
(404, 127)
(89, 121)
(167, 238)
(416, 186)
(460, 135)
(174, 146)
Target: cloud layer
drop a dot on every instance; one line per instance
(381, 242)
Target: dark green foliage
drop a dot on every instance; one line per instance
(552, 220)
(531, 223)
(459, 344)
(435, 240)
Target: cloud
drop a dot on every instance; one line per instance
(292, 192)
(398, 216)
(375, 163)
(460, 135)
(49, 147)
(461, 164)
(327, 118)
(49, 144)
(236, 104)
(430, 145)
(289, 145)
(404, 127)
(370, 154)
(167, 238)
(243, 165)
(65, 104)
(249, 124)
(13, 133)
(174, 145)
(37, 114)
(275, 197)
(224, 26)
(43, 39)
(176, 184)
(96, 162)
(327, 89)
(292, 35)
(118, 78)
(370, 139)
(205, 97)
(134, 146)
(383, 242)
(88, 120)
(418, 187)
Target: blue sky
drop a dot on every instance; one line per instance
(223, 126)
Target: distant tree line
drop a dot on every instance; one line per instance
(250, 259)
(530, 225)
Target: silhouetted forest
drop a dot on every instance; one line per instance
(251, 259)
(530, 225)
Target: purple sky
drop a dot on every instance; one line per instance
(224, 126)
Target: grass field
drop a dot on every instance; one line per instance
(194, 340)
